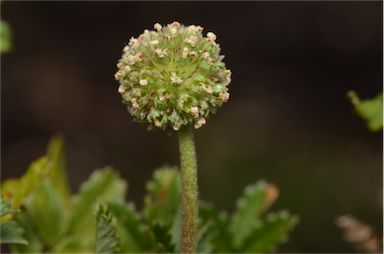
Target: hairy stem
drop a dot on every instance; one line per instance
(189, 201)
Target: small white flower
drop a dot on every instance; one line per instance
(131, 60)
(195, 28)
(143, 82)
(154, 42)
(127, 69)
(200, 123)
(224, 96)
(132, 41)
(195, 111)
(174, 27)
(191, 40)
(126, 49)
(185, 52)
(118, 75)
(175, 79)
(206, 56)
(135, 105)
(161, 52)
(193, 53)
(121, 89)
(228, 74)
(157, 27)
(211, 36)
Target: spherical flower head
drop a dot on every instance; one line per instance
(173, 76)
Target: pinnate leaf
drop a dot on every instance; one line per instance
(256, 199)
(106, 237)
(268, 234)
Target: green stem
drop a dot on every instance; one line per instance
(189, 201)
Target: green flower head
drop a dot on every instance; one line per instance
(173, 76)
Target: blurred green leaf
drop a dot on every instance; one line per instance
(58, 171)
(134, 235)
(47, 211)
(205, 238)
(5, 37)
(175, 230)
(268, 234)
(11, 233)
(249, 208)
(162, 238)
(163, 198)
(102, 186)
(106, 238)
(370, 110)
(221, 236)
(15, 191)
(34, 245)
(5, 208)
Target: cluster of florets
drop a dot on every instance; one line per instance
(173, 76)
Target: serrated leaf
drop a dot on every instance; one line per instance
(205, 238)
(163, 198)
(11, 233)
(370, 110)
(268, 234)
(5, 208)
(134, 235)
(163, 238)
(34, 243)
(221, 237)
(106, 237)
(103, 186)
(256, 199)
(57, 172)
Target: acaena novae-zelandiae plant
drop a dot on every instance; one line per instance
(169, 79)
(174, 77)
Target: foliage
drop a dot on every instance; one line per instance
(53, 220)
(370, 110)
(10, 231)
(5, 37)
(106, 238)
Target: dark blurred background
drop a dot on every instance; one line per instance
(288, 120)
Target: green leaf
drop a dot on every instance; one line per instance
(57, 173)
(176, 230)
(11, 233)
(5, 208)
(162, 237)
(134, 235)
(205, 238)
(221, 237)
(267, 235)
(48, 212)
(106, 238)
(256, 199)
(370, 110)
(163, 198)
(34, 243)
(15, 191)
(103, 186)
(5, 37)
